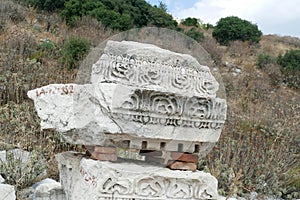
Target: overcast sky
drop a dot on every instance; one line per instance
(281, 17)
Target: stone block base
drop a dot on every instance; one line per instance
(88, 179)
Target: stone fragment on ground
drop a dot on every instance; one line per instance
(7, 192)
(48, 189)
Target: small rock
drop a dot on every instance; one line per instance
(238, 71)
(253, 195)
(44, 188)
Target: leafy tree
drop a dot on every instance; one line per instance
(119, 14)
(75, 9)
(190, 22)
(160, 18)
(233, 28)
(162, 6)
(195, 34)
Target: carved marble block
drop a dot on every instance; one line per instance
(87, 179)
(140, 96)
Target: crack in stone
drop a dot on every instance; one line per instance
(105, 111)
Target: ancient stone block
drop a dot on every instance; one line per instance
(87, 179)
(140, 92)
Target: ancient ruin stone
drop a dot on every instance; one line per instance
(140, 96)
(87, 179)
(7, 192)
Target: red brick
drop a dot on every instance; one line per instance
(178, 165)
(104, 157)
(105, 150)
(185, 157)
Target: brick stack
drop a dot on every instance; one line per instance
(102, 153)
(183, 161)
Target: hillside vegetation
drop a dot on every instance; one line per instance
(259, 146)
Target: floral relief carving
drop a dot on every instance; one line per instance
(153, 107)
(132, 70)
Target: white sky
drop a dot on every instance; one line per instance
(281, 17)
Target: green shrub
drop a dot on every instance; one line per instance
(195, 34)
(46, 45)
(233, 28)
(48, 5)
(263, 61)
(74, 50)
(290, 60)
(290, 67)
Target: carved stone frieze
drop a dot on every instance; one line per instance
(132, 180)
(135, 71)
(151, 107)
(140, 90)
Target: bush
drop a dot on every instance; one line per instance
(195, 34)
(190, 22)
(21, 168)
(290, 67)
(233, 28)
(254, 162)
(290, 60)
(48, 5)
(74, 50)
(264, 61)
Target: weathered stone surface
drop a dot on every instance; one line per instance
(7, 192)
(138, 93)
(87, 179)
(48, 189)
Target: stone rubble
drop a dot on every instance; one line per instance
(48, 189)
